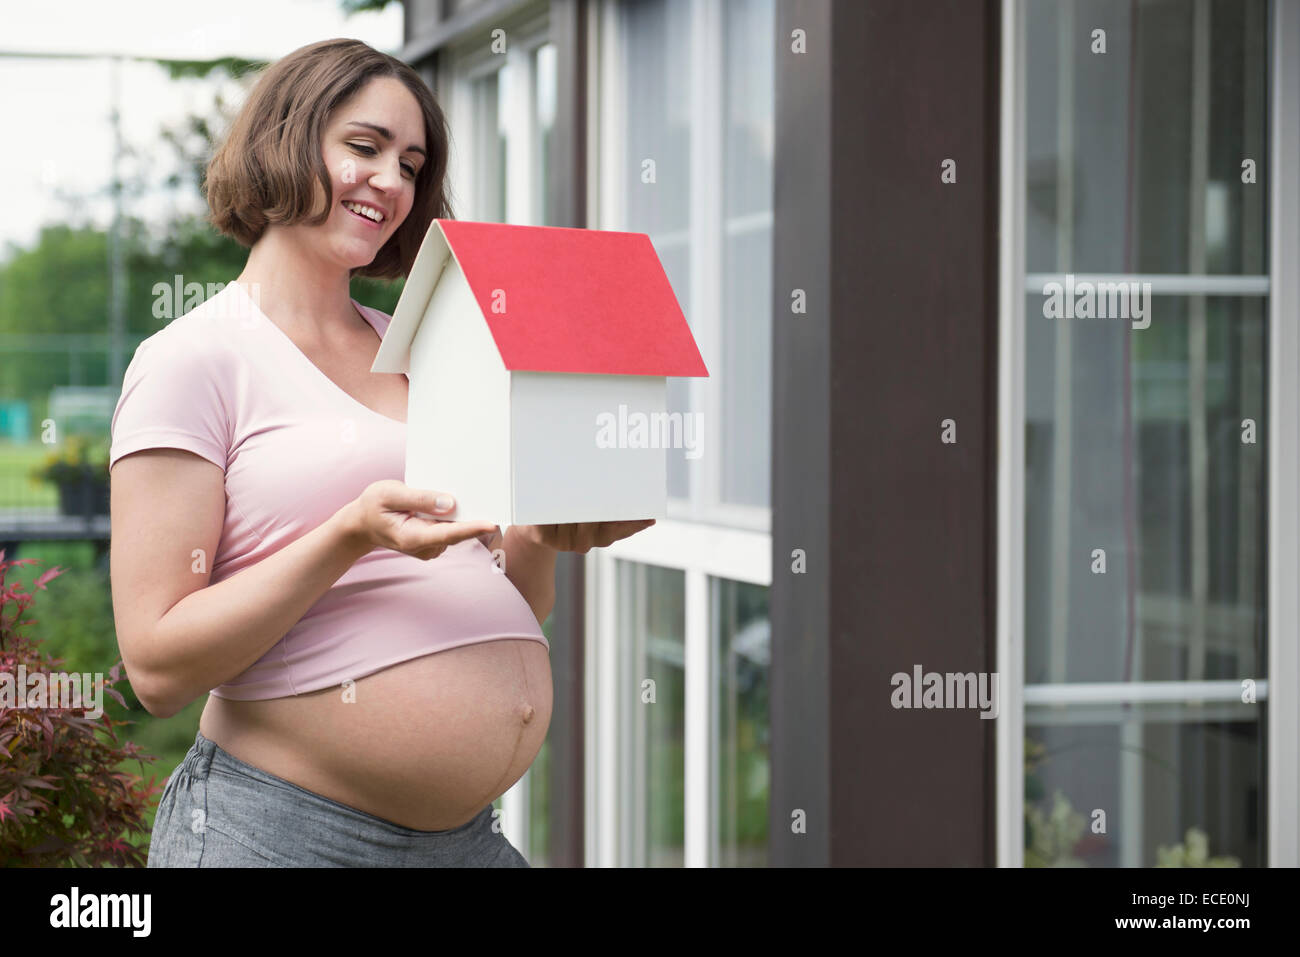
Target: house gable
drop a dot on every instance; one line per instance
(461, 393)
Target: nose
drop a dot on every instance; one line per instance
(387, 176)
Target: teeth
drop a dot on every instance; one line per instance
(368, 211)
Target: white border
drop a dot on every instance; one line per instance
(1284, 437)
(1116, 692)
(1010, 763)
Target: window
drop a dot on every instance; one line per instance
(687, 157)
(501, 114)
(652, 688)
(1144, 132)
(684, 150)
(742, 653)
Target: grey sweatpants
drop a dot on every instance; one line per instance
(217, 811)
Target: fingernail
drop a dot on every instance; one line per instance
(443, 502)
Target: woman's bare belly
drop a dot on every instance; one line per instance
(427, 743)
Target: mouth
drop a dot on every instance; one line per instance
(372, 216)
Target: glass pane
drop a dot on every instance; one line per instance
(1145, 495)
(1145, 474)
(543, 66)
(652, 758)
(656, 178)
(1131, 785)
(1134, 157)
(658, 141)
(742, 643)
(489, 150)
(747, 139)
(656, 133)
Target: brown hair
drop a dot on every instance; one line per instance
(262, 173)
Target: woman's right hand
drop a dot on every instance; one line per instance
(385, 516)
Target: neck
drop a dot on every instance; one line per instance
(297, 289)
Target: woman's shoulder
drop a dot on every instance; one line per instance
(377, 316)
(202, 338)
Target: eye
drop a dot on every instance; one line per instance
(365, 149)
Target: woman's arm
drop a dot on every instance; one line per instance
(180, 636)
(531, 569)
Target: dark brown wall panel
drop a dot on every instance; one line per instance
(900, 270)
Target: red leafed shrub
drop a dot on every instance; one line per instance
(62, 799)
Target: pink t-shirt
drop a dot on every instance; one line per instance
(226, 383)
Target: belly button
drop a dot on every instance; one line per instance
(528, 713)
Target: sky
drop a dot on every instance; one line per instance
(57, 141)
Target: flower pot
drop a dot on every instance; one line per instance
(83, 496)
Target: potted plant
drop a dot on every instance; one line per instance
(64, 799)
(80, 470)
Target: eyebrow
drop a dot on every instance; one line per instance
(387, 135)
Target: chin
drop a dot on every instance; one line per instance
(354, 258)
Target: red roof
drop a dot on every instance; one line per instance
(576, 300)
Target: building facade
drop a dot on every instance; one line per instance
(998, 301)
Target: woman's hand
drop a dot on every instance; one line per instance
(391, 514)
(582, 536)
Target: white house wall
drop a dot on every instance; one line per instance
(561, 473)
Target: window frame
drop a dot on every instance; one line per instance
(471, 60)
(702, 540)
(1280, 725)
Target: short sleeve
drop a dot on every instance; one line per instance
(172, 398)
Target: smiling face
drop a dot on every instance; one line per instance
(373, 146)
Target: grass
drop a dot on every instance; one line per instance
(17, 489)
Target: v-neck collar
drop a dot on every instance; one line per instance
(277, 332)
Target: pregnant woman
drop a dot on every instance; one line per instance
(376, 680)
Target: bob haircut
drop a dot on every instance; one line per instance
(262, 174)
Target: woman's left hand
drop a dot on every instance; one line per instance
(582, 536)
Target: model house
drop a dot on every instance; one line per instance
(538, 360)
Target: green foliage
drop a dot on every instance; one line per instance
(197, 69)
(380, 294)
(80, 457)
(1053, 834)
(17, 488)
(362, 6)
(1193, 852)
(79, 626)
(64, 799)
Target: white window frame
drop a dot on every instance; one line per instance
(700, 539)
(1284, 458)
(1284, 437)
